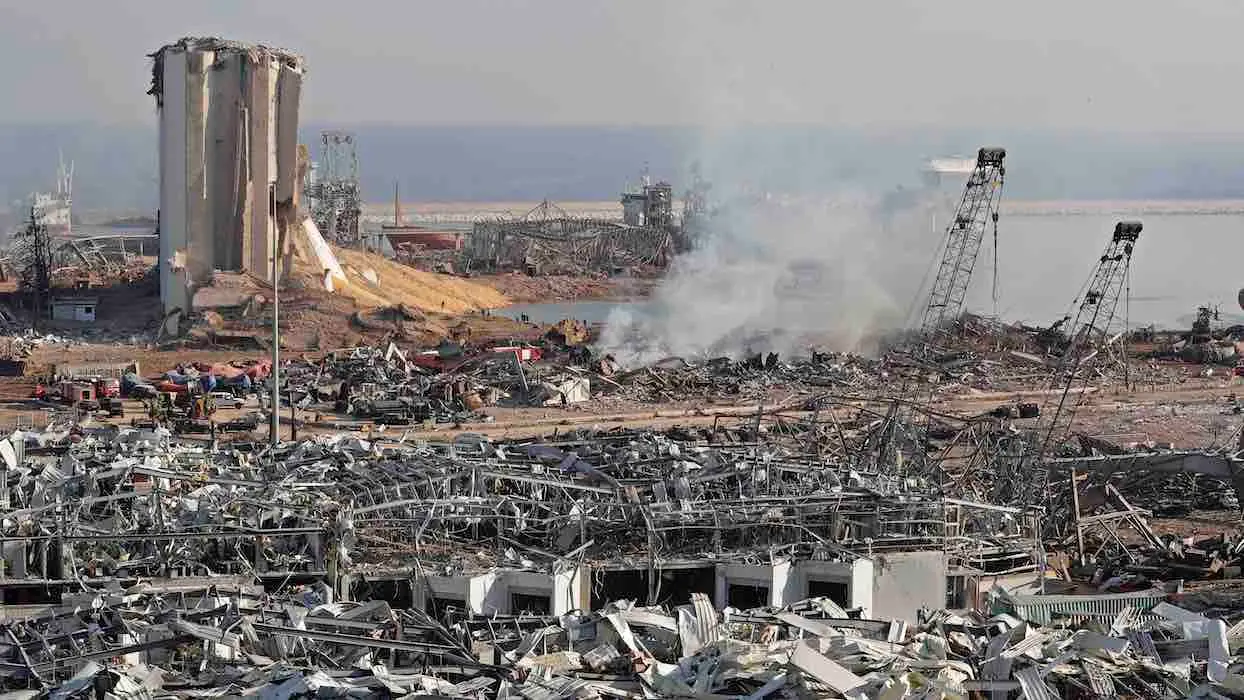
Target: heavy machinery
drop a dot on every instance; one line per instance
(1090, 327)
(977, 208)
(403, 410)
(1011, 466)
(1088, 335)
(186, 412)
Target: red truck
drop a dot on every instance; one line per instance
(108, 386)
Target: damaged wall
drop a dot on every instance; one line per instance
(228, 119)
(908, 581)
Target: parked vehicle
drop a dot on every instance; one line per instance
(227, 399)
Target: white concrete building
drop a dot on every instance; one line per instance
(228, 117)
(891, 585)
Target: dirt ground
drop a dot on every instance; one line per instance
(520, 288)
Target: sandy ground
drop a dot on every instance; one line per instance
(520, 288)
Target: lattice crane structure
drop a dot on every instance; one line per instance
(977, 208)
(1087, 337)
(1091, 328)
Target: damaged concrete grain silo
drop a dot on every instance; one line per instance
(228, 161)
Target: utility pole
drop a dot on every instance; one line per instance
(274, 417)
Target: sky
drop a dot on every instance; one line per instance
(1143, 66)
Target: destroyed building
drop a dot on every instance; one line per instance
(228, 135)
(547, 240)
(803, 549)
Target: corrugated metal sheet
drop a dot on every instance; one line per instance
(1126, 619)
(1100, 683)
(1033, 686)
(1026, 645)
(1143, 644)
(1041, 609)
(996, 666)
(555, 688)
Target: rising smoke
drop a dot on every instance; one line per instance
(832, 267)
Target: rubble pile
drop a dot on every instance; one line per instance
(388, 387)
(985, 356)
(814, 648)
(229, 638)
(139, 563)
(753, 378)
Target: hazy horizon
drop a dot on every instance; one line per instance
(473, 100)
(115, 167)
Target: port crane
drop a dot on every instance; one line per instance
(977, 208)
(1086, 340)
(1097, 309)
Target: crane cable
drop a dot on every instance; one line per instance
(995, 265)
(1127, 321)
(997, 206)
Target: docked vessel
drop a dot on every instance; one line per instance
(400, 234)
(53, 209)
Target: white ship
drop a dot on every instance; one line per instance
(951, 166)
(52, 209)
(939, 171)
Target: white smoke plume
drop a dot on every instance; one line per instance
(829, 257)
(831, 269)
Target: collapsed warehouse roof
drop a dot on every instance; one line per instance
(547, 240)
(145, 507)
(157, 547)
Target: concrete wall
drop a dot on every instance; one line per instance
(199, 260)
(889, 586)
(787, 582)
(222, 150)
(228, 161)
(289, 92)
(259, 205)
(906, 581)
(744, 575)
(572, 590)
(492, 593)
(441, 587)
(173, 192)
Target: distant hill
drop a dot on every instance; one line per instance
(116, 166)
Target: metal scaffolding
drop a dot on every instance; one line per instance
(546, 240)
(333, 188)
(31, 256)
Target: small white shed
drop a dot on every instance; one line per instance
(74, 309)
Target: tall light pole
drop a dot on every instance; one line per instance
(274, 417)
